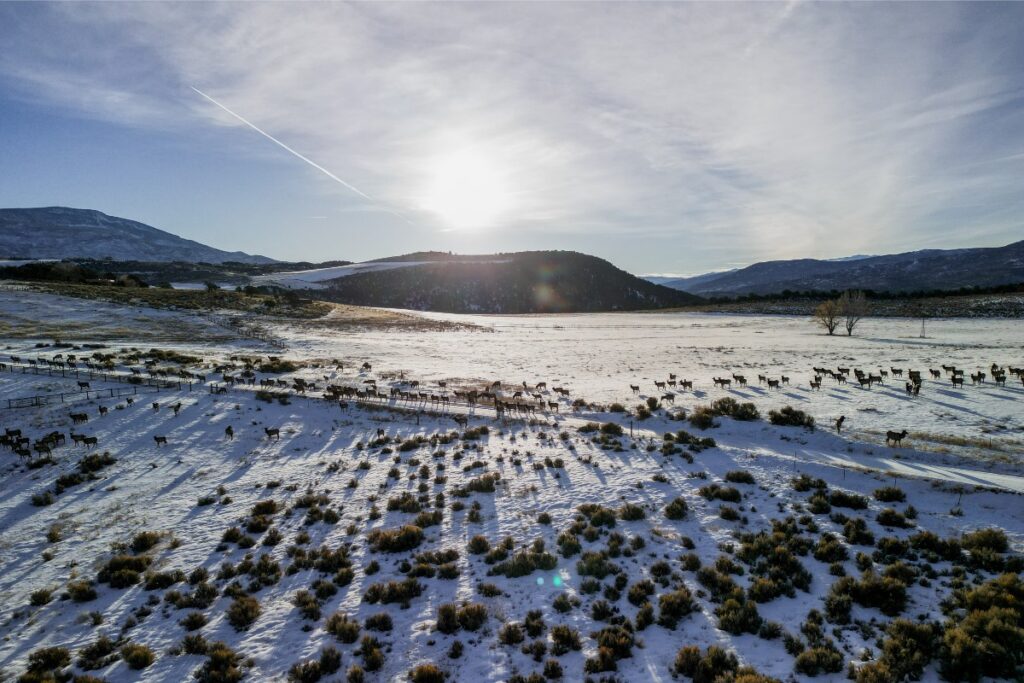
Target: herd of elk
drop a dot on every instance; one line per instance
(517, 401)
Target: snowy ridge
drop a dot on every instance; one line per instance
(64, 233)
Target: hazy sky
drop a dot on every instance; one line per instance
(667, 138)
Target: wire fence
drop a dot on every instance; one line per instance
(85, 393)
(68, 397)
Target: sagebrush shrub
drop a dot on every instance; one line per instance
(243, 611)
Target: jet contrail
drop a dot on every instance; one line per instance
(289, 149)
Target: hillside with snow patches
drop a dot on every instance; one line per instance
(315, 510)
(65, 233)
(931, 269)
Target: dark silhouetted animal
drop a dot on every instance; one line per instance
(895, 437)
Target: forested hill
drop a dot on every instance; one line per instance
(525, 282)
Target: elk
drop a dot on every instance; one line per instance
(381, 433)
(958, 380)
(864, 382)
(553, 405)
(129, 400)
(774, 384)
(635, 388)
(461, 420)
(999, 379)
(103, 411)
(686, 384)
(77, 438)
(156, 406)
(671, 376)
(272, 433)
(78, 418)
(816, 385)
(160, 440)
(839, 424)
(936, 374)
(895, 437)
(669, 397)
(785, 380)
(722, 382)
(90, 440)
(541, 385)
(896, 372)
(229, 432)
(659, 385)
(83, 385)
(761, 379)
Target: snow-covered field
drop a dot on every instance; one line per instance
(331, 477)
(315, 277)
(312, 279)
(599, 356)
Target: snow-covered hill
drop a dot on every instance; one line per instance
(58, 232)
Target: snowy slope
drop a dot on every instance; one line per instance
(316, 277)
(546, 466)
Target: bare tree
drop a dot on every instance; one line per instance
(853, 306)
(827, 315)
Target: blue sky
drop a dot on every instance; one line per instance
(667, 138)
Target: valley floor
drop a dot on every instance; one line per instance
(600, 524)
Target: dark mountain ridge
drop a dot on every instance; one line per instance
(929, 269)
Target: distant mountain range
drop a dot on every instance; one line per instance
(63, 233)
(930, 269)
(523, 282)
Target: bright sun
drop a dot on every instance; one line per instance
(466, 191)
